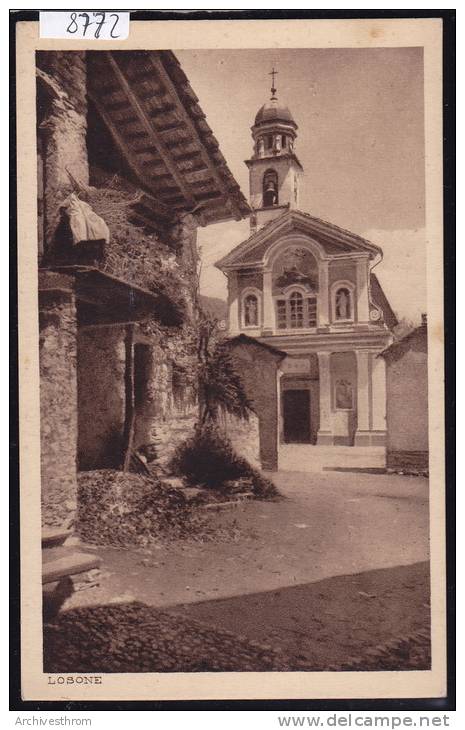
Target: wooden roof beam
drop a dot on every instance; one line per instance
(163, 74)
(155, 138)
(125, 151)
(155, 208)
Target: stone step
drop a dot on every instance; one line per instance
(67, 564)
(53, 536)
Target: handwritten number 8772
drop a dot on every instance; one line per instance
(73, 27)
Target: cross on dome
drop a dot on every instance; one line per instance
(273, 73)
(274, 111)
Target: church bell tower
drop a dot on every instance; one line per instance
(274, 169)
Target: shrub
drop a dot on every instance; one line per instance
(220, 385)
(208, 459)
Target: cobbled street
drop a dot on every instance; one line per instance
(336, 570)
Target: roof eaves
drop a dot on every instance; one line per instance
(222, 199)
(353, 237)
(244, 339)
(384, 303)
(231, 257)
(256, 237)
(394, 346)
(209, 142)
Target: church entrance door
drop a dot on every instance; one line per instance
(296, 416)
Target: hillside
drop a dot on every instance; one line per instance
(214, 306)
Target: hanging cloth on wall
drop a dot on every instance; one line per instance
(84, 222)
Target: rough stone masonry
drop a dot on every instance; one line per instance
(94, 375)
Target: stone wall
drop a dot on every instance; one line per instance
(101, 396)
(244, 436)
(409, 462)
(163, 417)
(257, 365)
(168, 409)
(407, 402)
(62, 116)
(84, 390)
(166, 413)
(172, 430)
(58, 399)
(184, 236)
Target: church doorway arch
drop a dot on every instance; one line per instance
(296, 416)
(299, 408)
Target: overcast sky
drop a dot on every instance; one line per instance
(360, 141)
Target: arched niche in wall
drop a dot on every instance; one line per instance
(270, 188)
(251, 308)
(342, 302)
(343, 368)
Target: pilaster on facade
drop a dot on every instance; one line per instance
(363, 391)
(379, 393)
(363, 309)
(268, 307)
(233, 304)
(371, 400)
(325, 431)
(323, 294)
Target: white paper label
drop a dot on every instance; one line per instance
(90, 25)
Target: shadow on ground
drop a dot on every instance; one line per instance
(376, 620)
(332, 621)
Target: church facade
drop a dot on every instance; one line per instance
(307, 288)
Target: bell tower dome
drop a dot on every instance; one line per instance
(274, 169)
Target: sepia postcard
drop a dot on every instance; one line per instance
(231, 361)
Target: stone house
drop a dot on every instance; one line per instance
(128, 168)
(307, 288)
(407, 401)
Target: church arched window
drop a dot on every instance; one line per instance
(270, 188)
(296, 306)
(281, 313)
(296, 310)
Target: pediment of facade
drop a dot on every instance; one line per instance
(325, 240)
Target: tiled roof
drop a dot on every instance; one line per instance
(380, 298)
(399, 346)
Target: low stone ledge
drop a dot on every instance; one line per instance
(238, 500)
